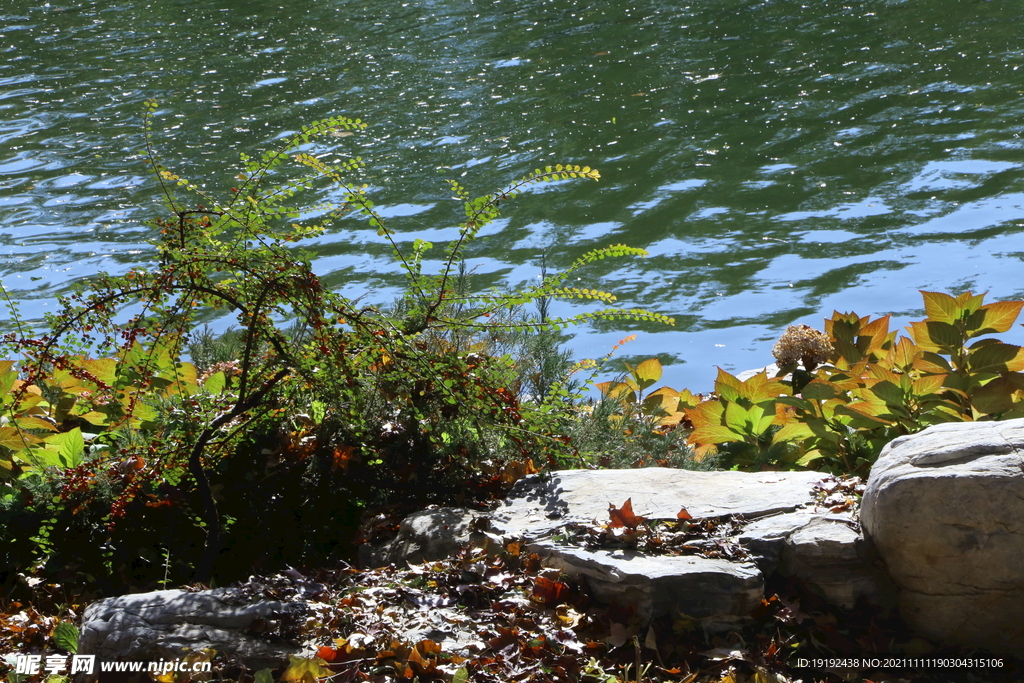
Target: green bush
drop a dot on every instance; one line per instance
(267, 446)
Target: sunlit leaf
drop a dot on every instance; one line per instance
(215, 383)
(104, 369)
(794, 431)
(940, 307)
(708, 413)
(999, 316)
(969, 303)
(661, 402)
(902, 355)
(549, 592)
(929, 384)
(713, 434)
(624, 517)
(727, 385)
(304, 670)
(72, 446)
(647, 372)
(30, 422)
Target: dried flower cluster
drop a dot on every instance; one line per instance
(801, 343)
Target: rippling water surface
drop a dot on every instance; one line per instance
(777, 160)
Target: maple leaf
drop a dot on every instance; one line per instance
(624, 517)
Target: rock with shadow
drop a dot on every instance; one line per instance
(945, 510)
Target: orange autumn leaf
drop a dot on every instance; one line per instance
(549, 592)
(683, 514)
(327, 653)
(624, 517)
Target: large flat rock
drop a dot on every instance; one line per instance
(784, 531)
(540, 504)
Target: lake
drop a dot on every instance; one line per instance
(777, 160)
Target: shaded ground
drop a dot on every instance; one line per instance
(494, 614)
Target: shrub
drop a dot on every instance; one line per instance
(278, 428)
(873, 387)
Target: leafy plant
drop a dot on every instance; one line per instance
(633, 427)
(875, 386)
(744, 423)
(352, 405)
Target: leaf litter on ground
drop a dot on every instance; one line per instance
(495, 614)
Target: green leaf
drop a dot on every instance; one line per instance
(936, 336)
(47, 455)
(8, 376)
(888, 392)
(995, 357)
(31, 422)
(810, 457)
(216, 382)
(302, 670)
(65, 636)
(744, 421)
(794, 431)
(264, 676)
(103, 369)
(820, 390)
(713, 434)
(70, 447)
(727, 386)
(460, 676)
(995, 397)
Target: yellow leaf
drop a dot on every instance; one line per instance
(103, 369)
(969, 303)
(688, 400)
(902, 355)
(1000, 316)
(711, 435)
(305, 670)
(929, 384)
(647, 372)
(727, 385)
(940, 307)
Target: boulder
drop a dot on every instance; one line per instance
(422, 536)
(168, 624)
(945, 510)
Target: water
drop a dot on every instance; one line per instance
(777, 160)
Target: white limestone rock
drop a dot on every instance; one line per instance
(945, 510)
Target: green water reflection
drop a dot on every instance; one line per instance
(778, 160)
